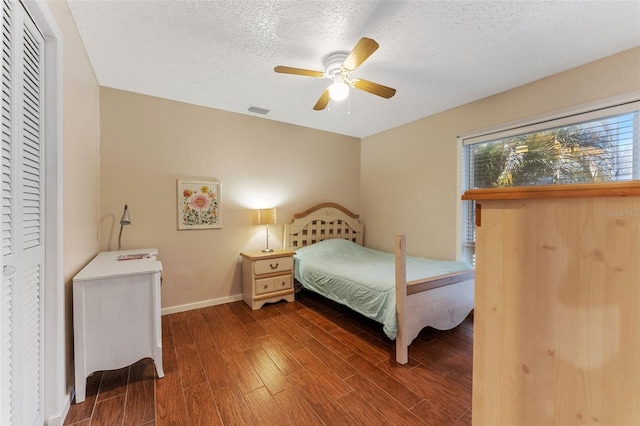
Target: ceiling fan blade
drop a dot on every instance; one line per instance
(298, 71)
(374, 88)
(323, 101)
(362, 50)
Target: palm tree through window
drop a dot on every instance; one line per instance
(597, 150)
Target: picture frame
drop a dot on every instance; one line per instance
(198, 204)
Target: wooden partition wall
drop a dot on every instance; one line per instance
(557, 305)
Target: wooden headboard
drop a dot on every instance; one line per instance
(322, 222)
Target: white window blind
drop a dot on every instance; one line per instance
(601, 145)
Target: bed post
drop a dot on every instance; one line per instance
(402, 350)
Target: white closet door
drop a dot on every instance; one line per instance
(22, 219)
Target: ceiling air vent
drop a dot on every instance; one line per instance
(258, 110)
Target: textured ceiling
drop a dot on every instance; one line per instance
(437, 54)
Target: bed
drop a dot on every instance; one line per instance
(403, 293)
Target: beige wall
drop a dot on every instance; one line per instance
(148, 143)
(409, 178)
(81, 165)
(81, 148)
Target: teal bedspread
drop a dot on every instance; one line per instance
(361, 278)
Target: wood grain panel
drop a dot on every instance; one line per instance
(282, 357)
(317, 319)
(114, 383)
(253, 326)
(166, 326)
(170, 405)
(180, 332)
(439, 358)
(267, 370)
(300, 413)
(226, 314)
(556, 317)
(232, 407)
(243, 373)
(581, 190)
(109, 412)
(193, 315)
(200, 332)
(221, 336)
(331, 359)
(316, 391)
(140, 407)
(439, 386)
(294, 329)
(263, 406)
(359, 345)
(239, 337)
(341, 349)
(210, 315)
(312, 380)
(361, 411)
(433, 414)
(395, 414)
(202, 406)
(190, 365)
(336, 386)
(212, 360)
(391, 386)
(83, 411)
(285, 339)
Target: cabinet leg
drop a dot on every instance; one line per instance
(159, 370)
(81, 389)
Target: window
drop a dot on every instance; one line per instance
(601, 145)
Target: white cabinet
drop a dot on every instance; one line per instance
(116, 314)
(267, 277)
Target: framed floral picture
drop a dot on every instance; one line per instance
(198, 204)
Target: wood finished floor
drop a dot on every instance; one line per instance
(310, 362)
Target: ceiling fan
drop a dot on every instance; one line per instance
(338, 67)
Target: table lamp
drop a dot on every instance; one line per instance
(126, 220)
(267, 217)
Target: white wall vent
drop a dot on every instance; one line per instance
(258, 110)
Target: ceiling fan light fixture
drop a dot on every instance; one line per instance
(338, 67)
(338, 91)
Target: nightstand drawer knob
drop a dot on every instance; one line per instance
(274, 267)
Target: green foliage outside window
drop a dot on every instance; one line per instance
(575, 154)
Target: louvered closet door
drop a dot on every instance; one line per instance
(22, 219)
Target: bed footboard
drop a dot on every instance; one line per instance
(441, 302)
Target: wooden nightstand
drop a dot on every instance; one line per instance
(267, 277)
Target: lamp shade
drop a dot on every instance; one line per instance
(126, 220)
(267, 216)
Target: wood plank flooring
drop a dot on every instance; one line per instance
(309, 362)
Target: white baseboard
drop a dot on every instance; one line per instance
(203, 304)
(58, 420)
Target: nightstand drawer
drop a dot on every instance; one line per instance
(265, 285)
(269, 266)
(282, 282)
(269, 285)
